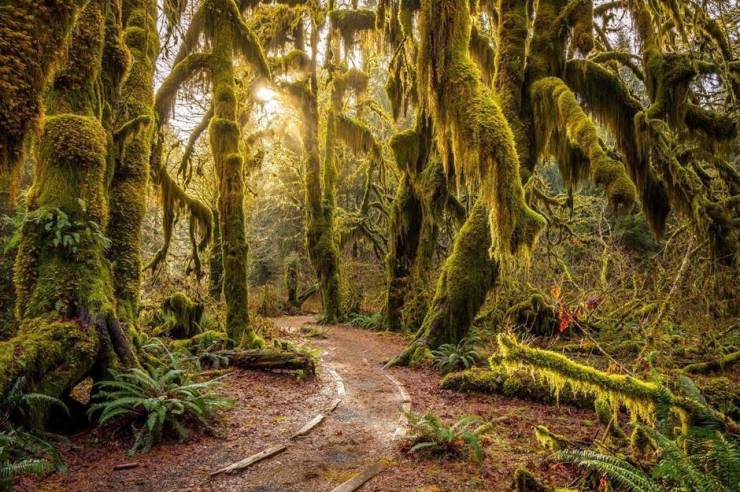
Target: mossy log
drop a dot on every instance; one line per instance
(718, 364)
(647, 401)
(272, 360)
(517, 384)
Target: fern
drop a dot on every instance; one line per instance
(708, 462)
(155, 401)
(430, 434)
(372, 321)
(617, 469)
(454, 357)
(23, 452)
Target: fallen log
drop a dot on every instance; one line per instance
(713, 365)
(269, 359)
(359, 480)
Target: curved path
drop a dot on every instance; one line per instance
(356, 435)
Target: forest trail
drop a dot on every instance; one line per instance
(356, 435)
(269, 409)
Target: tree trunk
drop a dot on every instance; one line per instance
(216, 271)
(65, 303)
(33, 37)
(405, 234)
(129, 185)
(225, 136)
(467, 276)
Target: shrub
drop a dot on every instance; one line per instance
(156, 401)
(430, 434)
(23, 452)
(454, 357)
(372, 321)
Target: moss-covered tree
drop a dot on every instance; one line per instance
(222, 24)
(66, 309)
(33, 37)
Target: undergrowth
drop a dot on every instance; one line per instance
(430, 435)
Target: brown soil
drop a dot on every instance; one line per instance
(270, 408)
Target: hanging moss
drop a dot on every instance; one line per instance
(566, 133)
(358, 137)
(350, 22)
(187, 316)
(612, 106)
(481, 50)
(275, 25)
(470, 124)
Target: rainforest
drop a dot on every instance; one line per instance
(381, 245)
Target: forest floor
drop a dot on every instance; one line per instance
(269, 408)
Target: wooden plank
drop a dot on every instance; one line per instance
(405, 397)
(247, 462)
(359, 480)
(125, 466)
(334, 405)
(310, 425)
(338, 381)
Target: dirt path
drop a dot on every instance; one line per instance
(356, 435)
(270, 408)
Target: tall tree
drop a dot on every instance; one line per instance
(222, 24)
(32, 39)
(68, 327)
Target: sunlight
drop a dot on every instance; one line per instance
(264, 94)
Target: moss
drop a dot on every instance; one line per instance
(130, 179)
(187, 316)
(549, 440)
(32, 39)
(566, 133)
(612, 106)
(467, 275)
(518, 384)
(524, 481)
(470, 125)
(646, 401)
(349, 22)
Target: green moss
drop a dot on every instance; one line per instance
(470, 125)
(566, 133)
(130, 179)
(33, 37)
(549, 440)
(186, 313)
(518, 384)
(646, 401)
(349, 22)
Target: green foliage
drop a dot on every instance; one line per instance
(63, 232)
(706, 461)
(454, 357)
(373, 321)
(430, 434)
(23, 452)
(156, 400)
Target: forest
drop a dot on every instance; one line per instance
(387, 245)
